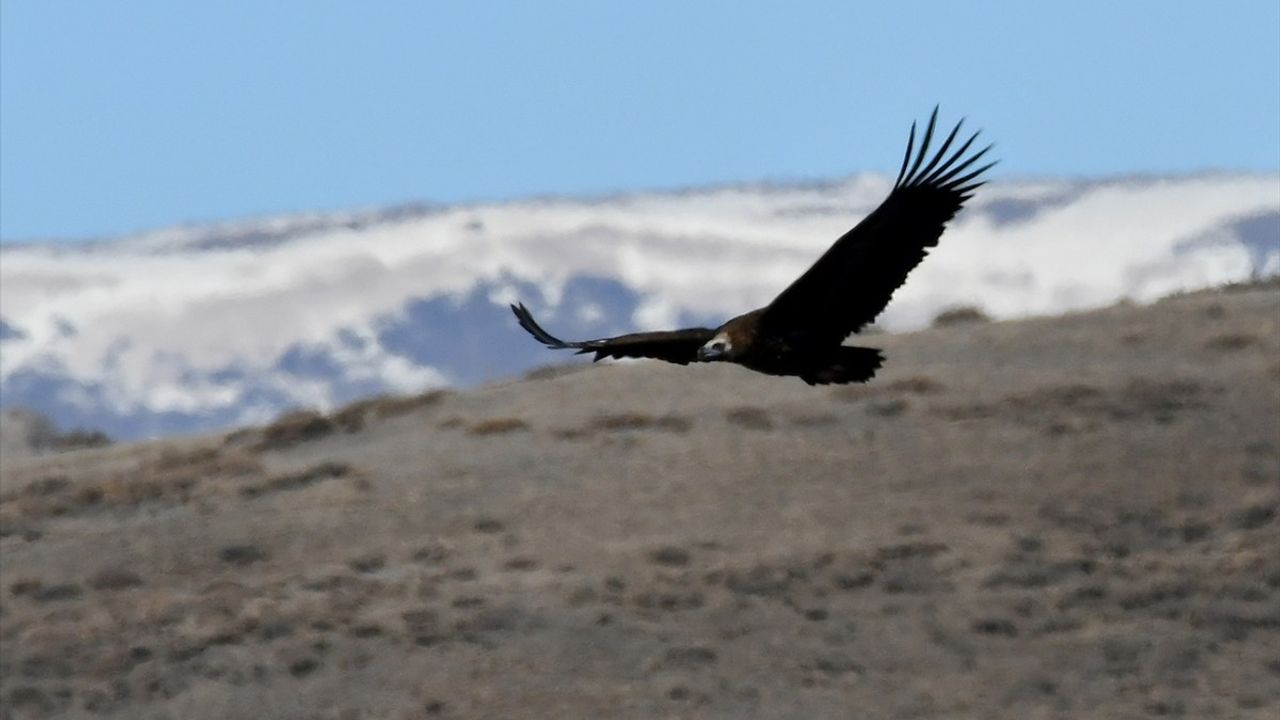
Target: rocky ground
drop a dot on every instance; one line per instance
(1057, 518)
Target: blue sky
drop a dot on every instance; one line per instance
(131, 115)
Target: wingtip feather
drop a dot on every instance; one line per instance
(906, 158)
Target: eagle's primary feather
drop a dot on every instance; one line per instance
(801, 332)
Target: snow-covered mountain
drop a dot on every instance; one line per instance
(196, 328)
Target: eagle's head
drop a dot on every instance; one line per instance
(719, 347)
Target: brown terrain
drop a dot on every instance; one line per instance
(1070, 517)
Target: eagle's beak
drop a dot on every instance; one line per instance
(707, 354)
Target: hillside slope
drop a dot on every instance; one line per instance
(1057, 518)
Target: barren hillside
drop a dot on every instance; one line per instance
(1054, 518)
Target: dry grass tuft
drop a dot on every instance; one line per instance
(814, 420)
(294, 428)
(670, 556)
(297, 480)
(916, 385)
(498, 426)
(1232, 342)
(352, 417)
(623, 421)
(112, 579)
(961, 315)
(488, 526)
(889, 408)
(750, 418)
(242, 554)
(372, 562)
(639, 421)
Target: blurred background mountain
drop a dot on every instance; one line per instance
(208, 327)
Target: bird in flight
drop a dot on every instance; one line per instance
(802, 332)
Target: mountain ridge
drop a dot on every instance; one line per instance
(195, 328)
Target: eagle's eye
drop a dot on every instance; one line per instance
(718, 346)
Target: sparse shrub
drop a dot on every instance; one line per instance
(294, 428)
(750, 418)
(638, 421)
(242, 554)
(50, 485)
(669, 601)
(394, 406)
(498, 426)
(57, 593)
(916, 385)
(25, 587)
(995, 626)
(1156, 397)
(836, 665)
(1253, 517)
(367, 630)
(691, 656)
(520, 564)
(673, 423)
(298, 480)
(960, 315)
(1231, 342)
(670, 555)
(814, 420)
(489, 526)
(761, 580)
(430, 554)
(352, 417)
(623, 421)
(853, 580)
(368, 563)
(570, 433)
(115, 579)
(1133, 338)
(127, 490)
(463, 574)
(303, 666)
(29, 699)
(488, 620)
(890, 408)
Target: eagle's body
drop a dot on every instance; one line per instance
(802, 331)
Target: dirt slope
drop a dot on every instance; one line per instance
(1058, 518)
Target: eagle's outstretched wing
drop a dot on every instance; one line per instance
(676, 346)
(852, 282)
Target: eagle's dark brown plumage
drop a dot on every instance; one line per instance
(801, 332)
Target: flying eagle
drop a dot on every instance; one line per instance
(802, 331)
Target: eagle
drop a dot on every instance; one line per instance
(802, 332)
